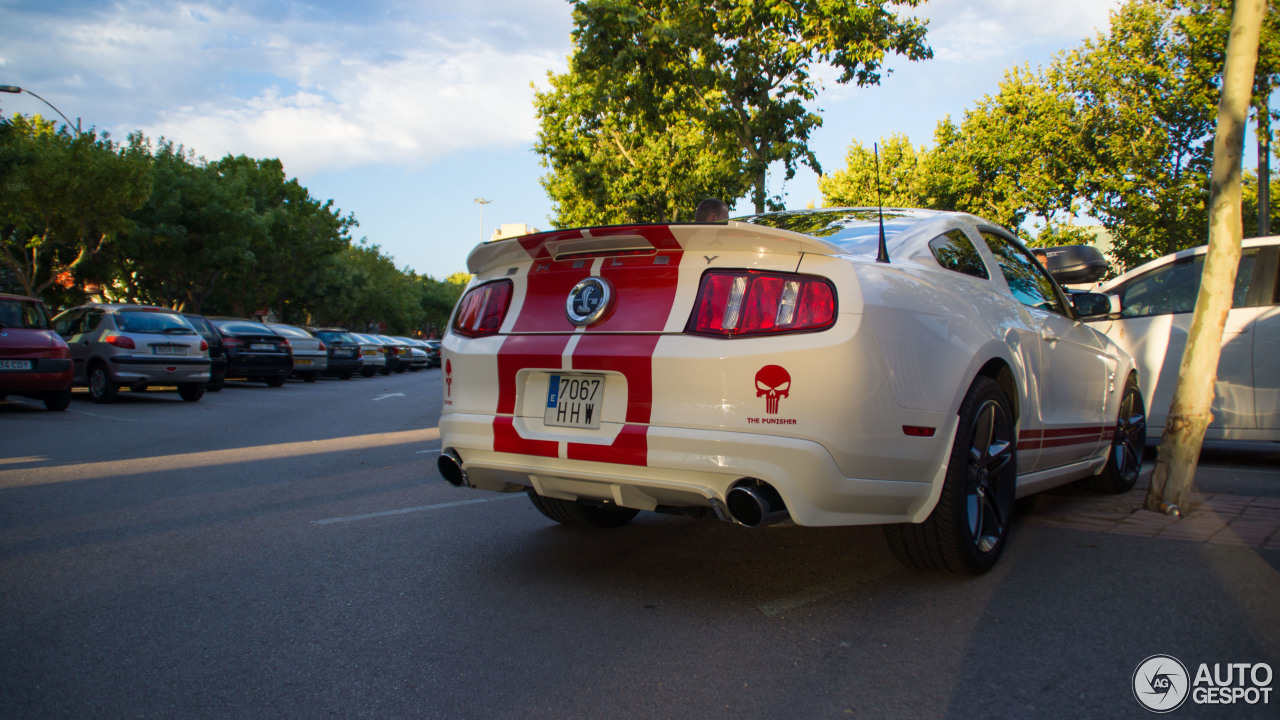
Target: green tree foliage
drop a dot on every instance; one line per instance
(611, 168)
(732, 77)
(1118, 129)
(364, 290)
(194, 231)
(439, 298)
(64, 199)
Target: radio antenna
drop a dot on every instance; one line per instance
(883, 255)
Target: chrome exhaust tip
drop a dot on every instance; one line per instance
(755, 504)
(450, 466)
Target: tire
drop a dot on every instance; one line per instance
(55, 400)
(368, 372)
(576, 514)
(101, 387)
(310, 377)
(191, 392)
(385, 370)
(400, 369)
(275, 381)
(345, 376)
(215, 384)
(969, 527)
(1124, 464)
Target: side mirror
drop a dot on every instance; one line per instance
(1075, 264)
(1095, 306)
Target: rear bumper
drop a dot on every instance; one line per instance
(689, 467)
(45, 374)
(337, 365)
(158, 370)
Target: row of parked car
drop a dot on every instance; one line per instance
(106, 347)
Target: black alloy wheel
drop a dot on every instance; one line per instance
(969, 527)
(1128, 445)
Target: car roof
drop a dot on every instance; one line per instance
(1147, 267)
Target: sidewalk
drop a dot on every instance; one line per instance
(1220, 518)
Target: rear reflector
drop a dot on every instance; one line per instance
(745, 302)
(482, 310)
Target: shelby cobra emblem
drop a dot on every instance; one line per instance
(588, 301)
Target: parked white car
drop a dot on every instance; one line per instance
(787, 366)
(1156, 304)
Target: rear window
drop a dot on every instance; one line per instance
(27, 314)
(331, 336)
(149, 321)
(291, 331)
(244, 326)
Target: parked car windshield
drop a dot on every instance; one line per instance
(150, 321)
(16, 313)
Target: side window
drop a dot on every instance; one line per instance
(92, 319)
(1173, 288)
(955, 251)
(69, 323)
(1028, 283)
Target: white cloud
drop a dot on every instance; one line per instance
(321, 86)
(981, 30)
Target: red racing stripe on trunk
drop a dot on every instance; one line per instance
(520, 352)
(507, 439)
(631, 355)
(630, 448)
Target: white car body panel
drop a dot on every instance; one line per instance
(685, 416)
(1246, 404)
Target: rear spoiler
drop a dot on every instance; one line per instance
(732, 236)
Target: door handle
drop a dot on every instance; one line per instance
(1049, 336)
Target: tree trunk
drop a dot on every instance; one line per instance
(1264, 163)
(1192, 398)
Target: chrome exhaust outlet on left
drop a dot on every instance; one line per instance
(755, 504)
(450, 466)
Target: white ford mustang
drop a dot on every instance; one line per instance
(804, 367)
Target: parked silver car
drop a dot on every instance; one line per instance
(373, 357)
(310, 359)
(135, 346)
(419, 358)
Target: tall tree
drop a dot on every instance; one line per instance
(608, 167)
(740, 69)
(63, 199)
(1189, 414)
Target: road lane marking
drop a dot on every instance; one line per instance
(104, 417)
(67, 472)
(388, 395)
(405, 511)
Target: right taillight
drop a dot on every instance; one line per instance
(732, 303)
(482, 310)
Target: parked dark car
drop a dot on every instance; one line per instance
(344, 352)
(255, 351)
(217, 350)
(433, 350)
(34, 361)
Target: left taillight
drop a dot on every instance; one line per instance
(120, 341)
(733, 303)
(482, 310)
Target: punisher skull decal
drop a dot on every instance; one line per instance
(773, 383)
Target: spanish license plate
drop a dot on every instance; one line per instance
(15, 364)
(301, 362)
(169, 349)
(574, 401)
(262, 346)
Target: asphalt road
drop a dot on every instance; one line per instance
(282, 553)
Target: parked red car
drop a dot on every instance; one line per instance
(34, 361)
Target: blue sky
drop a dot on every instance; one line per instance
(403, 113)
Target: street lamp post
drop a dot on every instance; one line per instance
(482, 202)
(14, 89)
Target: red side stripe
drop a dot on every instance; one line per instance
(1064, 437)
